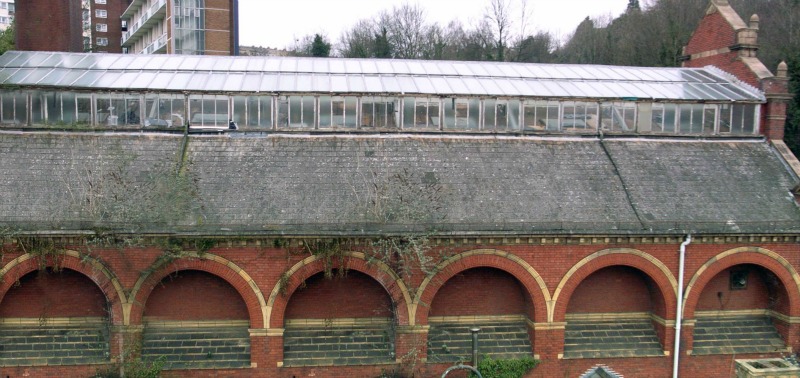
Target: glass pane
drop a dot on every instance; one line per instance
(68, 113)
(350, 110)
(265, 111)
(239, 111)
(736, 119)
(84, 105)
(709, 119)
(749, 119)
(725, 118)
(308, 111)
(325, 119)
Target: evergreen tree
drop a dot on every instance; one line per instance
(382, 48)
(320, 47)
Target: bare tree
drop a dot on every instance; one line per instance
(406, 27)
(358, 41)
(498, 12)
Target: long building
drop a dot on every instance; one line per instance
(283, 216)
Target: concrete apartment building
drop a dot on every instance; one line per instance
(7, 11)
(205, 27)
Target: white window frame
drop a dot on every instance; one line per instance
(101, 28)
(102, 41)
(101, 13)
(99, 1)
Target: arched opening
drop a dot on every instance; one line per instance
(486, 298)
(195, 319)
(54, 317)
(345, 319)
(617, 311)
(739, 311)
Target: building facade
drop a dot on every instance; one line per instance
(206, 27)
(48, 26)
(103, 33)
(7, 13)
(286, 217)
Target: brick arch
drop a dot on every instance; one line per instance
(535, 287)
(644, 262)
(90, 267)
(209, 263)
(297, 274)
(764, 258)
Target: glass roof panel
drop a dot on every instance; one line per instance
(179, 80)
(507, 87)
(70, 77)
(373, 84)
(125, 79)
(407, 84)
(288, 65)
(690, 93)
(322, 83)
(142, 80)
(356, 84)
(554, 89)
(233, 82)
(440, 85)
(399, 67)
(86, 80)
(286, 82)
(198, 81)
(368, 66)
(8, 58)
(37, 59)
(457, 85)
(446, 68)
(729, 91)
(19, 76)
(352, 66)
(215, 82)
(269, 65)
(204, 64)
(416, 68)
(104, 61)
(37, 75)
(222, 64)
(476, 85)
(162, 79)
(54, 76)
(390, 84)
(582, 89)
(384, 66)
(478, 70)
(504, 70)
(158, 62)
(462, 69)
(434, 69)
(251, 82)
(240, 64)
(269, 83)
(339, 84)
(189, 63)
(336, 66)
(490, 86)
(304, 83)
(306, 65)
(122, 62)
(424, 85)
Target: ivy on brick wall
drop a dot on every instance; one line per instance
(510, 368)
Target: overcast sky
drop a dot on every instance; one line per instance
(277, 23)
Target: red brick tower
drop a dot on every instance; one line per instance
(47, 25)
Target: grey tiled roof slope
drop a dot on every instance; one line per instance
(353, 185)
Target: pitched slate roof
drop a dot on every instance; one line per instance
(372, 184)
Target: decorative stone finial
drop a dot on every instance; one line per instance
(783, 69)
(754, 20)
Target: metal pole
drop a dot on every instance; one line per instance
(475, 345)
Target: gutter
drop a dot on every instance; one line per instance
(679, 310)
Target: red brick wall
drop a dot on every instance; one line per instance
(612, 289)
(195, 295)
(355, 295)
(48, 294)
(712, 33)
(47, 25)
(479, 291)
(718, 296)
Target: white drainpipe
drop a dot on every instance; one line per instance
(679, 312)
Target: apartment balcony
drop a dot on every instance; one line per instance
(159, 46)
(155, 13)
